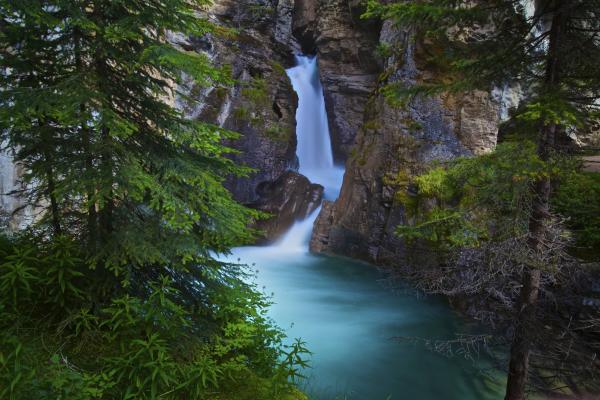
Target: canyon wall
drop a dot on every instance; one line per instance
(395, 142)
(260, 106)
(345, 45)
(12, 213)
(380, 144)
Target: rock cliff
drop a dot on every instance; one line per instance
(261, 106)
(394, 143)
(381, 145)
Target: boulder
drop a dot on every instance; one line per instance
(290, 198)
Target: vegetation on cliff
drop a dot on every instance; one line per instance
(511, 214)
(114, 291)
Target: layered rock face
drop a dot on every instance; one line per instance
(8, 183)
(260, 106)
(381, 144)
(344, 43)
(13, 211)
(394, 143)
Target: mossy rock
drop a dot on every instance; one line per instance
(296, 395)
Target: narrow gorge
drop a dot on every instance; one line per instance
(375, 141)
(338, 307)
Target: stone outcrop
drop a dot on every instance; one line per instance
(393, 144)
(345, 45)
(261, 105)
(288, 199)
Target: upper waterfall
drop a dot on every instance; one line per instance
(314, 144)
(314, 151)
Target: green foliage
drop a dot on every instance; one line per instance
(114, 293)
(576, 198)
(278, 68)
(276, 132)
(256, 93)
(476, 199)
(485, 198)
(551, 109)
(479, 45)
(148, 344)
(17, 275)
(384, 50)
(483, 204)
(295, 360)
(260, 10)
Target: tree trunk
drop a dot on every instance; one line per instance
(92, 217)
(540, 213)
(51, 183)
(88, 164)
(106, 213)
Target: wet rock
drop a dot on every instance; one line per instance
(290, 198)
(319, 242)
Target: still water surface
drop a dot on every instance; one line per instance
(349, 321)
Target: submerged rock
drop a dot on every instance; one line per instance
(290, 198)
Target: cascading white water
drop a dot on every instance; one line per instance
(312, 129)
(314, 151)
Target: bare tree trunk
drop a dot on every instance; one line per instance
(540, 213)
(53, 202)
(106, 213)
(92, 217)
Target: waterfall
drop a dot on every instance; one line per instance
(314, 145)
(314, 150)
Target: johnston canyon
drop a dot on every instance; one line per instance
(299, 199)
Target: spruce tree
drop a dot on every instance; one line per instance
(86, 106)
(114, 291)
(552, 53)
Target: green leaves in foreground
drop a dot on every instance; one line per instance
(146, 345)
(114, 292)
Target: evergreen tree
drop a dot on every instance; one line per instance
(117, 275)
(552, 54)
(87, 107)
